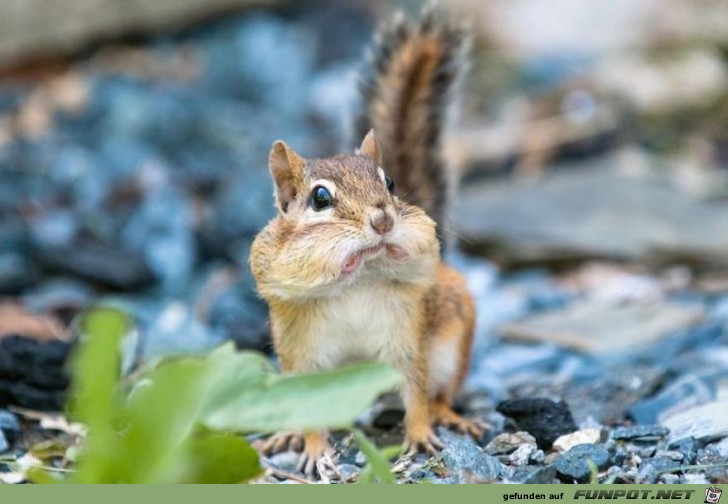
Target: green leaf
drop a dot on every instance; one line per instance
(332, 399)
(221, 458)
(41, 477)
(378, 462)
(161, 417)
(230, 372)
(95, 398)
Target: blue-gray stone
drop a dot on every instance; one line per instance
(687, 390)
(574, 464)
(640, 433)
(468, 463)
(688, 446)
(10, 426)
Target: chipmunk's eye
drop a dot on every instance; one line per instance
(321, 198)
(390, 183)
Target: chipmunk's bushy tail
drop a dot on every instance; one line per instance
(405, 92)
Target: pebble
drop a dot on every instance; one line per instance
(671, 454)
(348, 471)
(688, 446)
(542, 476)
(694, 479)
(544, 419)
(523, 454)
(287, 460)
(10, 426)
(468, 463)
(506, 443)
(645, 433)
(32, 372)
(103, 263)
(670, 479)
(722, 448)
(585, 436)
(574, 466)
(16, 273)
(651, 468)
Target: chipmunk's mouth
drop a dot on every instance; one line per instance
(354, 260)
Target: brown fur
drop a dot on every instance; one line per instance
(362, 279)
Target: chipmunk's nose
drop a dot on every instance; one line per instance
(381, 221)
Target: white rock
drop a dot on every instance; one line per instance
(585, 436)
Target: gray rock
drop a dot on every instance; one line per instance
(174, 329)
(10, 426)
(287, 460)
(348, 471)
(611, 391)
(506, 443)
(542, 476)
(600, 328)
(58, 295)
(650, 469)
(585, 436)
(4, 444)
(694, 479)
(574, 464)
(238, 314)
(640, 433)
(688, 446)
(683, 393)
(574, 210)
(707, 422)
(523, 454)
(722, 448)
(161, 231)
(16, 273)
(97, 262)
(671, 454)
(647, 475)
(670, 479)
(468, 463)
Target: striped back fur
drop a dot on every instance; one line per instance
(406, 89)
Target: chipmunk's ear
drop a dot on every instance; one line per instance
(370, 148)
(287, 168)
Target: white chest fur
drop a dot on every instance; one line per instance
(372, 321)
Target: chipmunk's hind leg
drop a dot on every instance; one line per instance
(452, 317)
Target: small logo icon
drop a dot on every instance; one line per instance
(712, 495)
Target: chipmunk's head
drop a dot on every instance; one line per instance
(344, 219)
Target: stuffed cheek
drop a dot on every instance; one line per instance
(416, 235)
(314, 264)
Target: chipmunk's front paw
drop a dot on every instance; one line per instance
(316, 456)
(445, 416)
(423, 442)
(280, 442)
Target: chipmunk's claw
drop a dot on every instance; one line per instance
(429, 444)
(317, 465)
(473, 428)
(280, 442)
(444, 415)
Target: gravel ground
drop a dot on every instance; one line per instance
(137, 176)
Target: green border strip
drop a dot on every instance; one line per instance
(345, 494)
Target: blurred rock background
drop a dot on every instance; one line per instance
(592, 217)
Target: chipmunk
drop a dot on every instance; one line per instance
(350, 267)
